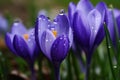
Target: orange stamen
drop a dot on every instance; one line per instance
(26, 36)
(54, 32)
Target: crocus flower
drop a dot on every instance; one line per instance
(3, 24)
(110, 17)
(22, 43)
(54, 39)
(87, 24)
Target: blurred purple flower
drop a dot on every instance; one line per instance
(3, 24)
(111, 15)
(87, 24)
(22, 43)
(54, 38)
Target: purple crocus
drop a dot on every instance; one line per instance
(3, 24)
(87, 24)
(110, 17)
(54, 39)
(22, 43)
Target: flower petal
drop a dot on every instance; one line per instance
(81, 29)
(94, 21)
(118, 24)
(31, 42)
(18, 28)
(46, 42)
(42, 24)
(71, 10)
(62, 24)
(101, 7)
(60, 49)
(110, 24)
(3, 24)
(84, 6)
(70, 36)
(116, 13)
(9, 42)
(21, 48)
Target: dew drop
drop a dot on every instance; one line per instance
(46, 40)
(17, 21)
(92, 27)
(48, 25)
(61, 38)
(29, 40)
(62, 11)
(32, 33)
(95, 31)
(55, 22)
(109, 46)
(39, 30)
(39, 18)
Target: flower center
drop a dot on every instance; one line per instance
(26, 36)
(54, 32)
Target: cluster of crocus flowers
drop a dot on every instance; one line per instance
(54, 38)
(87, 23)
(22, 43)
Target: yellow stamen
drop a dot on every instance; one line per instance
(26, 36)
(54, 32)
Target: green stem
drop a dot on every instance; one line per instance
(108, 49)
(57, 71)
(111, 65)
(33, 77)
(75, 65)
(70, 76)
(87, 72)
(40, 66)
(88, 62)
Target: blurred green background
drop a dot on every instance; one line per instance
(28, 9)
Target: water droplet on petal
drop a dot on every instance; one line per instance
(55, 21)
(61, 38)
(62, 11)
(46, 40)
(29, 40)
(44, 19)
(39, 18)
(95, 31)
(39, 30)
